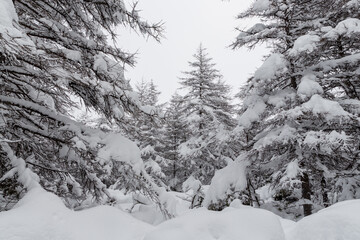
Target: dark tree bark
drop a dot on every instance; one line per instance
(306, 193)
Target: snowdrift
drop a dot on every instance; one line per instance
(230, 224)
(42, 216)
(338, 222)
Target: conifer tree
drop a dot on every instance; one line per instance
(208, 115)
(148, 130)
(50, 51)
(295, 128)
(174, 134)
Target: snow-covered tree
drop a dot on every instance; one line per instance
(147, 128)
(174, 133)
(295, 127)
(49, 52)
(208, 116)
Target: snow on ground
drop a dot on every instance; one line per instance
(42, 216)
(230, 224)
(338, 222)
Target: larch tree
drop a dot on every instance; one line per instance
(295, 129)
(49, 52)
(208, 116)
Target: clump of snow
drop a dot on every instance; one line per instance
(254, 111)
(305, 43)
(8, 31)
(353, 4)
(265, 193)
(320, 106)
(347, 27)
(258, 27)
(233, 176)
(280, 135)
(340, 221)
(272, 66)
(26, 177)
(261, 5)
(191, 184)
(232, 223)
(118, 148)
(154, 168)
(309, 87)
(292, 170)
(326, 141)
(72, 55)
(105, 64)
(281, 98)
(99, 63)
(7, 14)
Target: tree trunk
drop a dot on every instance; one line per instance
(324, 193)
(306, 193)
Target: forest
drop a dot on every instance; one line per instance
(87, 154)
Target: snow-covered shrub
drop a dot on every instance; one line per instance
(228, 184)
(195, 189)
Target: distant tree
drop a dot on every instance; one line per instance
(208, 116)
(50, 51)
(148, 93)
(175, 133)
(148, 129)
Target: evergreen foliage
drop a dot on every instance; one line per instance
(52, 51)
(296, 126)
(208, 112)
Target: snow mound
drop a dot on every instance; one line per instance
(42, 216)
(230, 224)
(338, 222)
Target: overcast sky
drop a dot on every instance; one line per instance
(187, 24)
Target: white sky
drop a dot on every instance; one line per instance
(187, 24)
